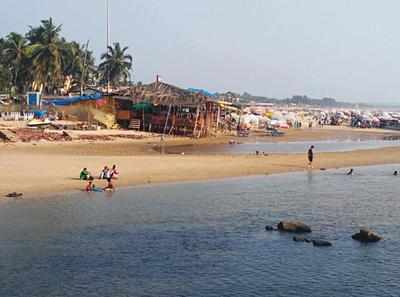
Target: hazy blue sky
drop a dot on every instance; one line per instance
(348, 49)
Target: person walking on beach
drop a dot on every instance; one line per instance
(310, 156)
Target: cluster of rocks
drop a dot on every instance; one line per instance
(365, 236)
(14, 195)
(34, 135)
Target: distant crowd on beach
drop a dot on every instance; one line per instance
(108, 174)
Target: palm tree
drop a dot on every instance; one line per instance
(116, 65)
(79, 64)
(15, 56)
(47, 54)
(4, 72)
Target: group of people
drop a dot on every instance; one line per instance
(106, 174)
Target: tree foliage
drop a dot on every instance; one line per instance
(116, 65)
(43, 60)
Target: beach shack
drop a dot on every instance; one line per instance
(163, 108)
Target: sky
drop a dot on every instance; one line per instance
(345, 49)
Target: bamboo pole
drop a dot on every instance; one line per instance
(202, 122)
(173, 122)
(143, 119)
(197, 118)
(218, 117)
(166, 121)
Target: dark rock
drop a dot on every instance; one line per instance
(14, 195)
(300, 239)
(293, 227)
(321, 243)
(269, 228)
(366, 236)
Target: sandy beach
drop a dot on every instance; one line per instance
(45, 168)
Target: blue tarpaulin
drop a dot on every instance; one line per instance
(202, 92)
(39, 113)
(72, 100)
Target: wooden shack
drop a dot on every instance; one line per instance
(174, 111)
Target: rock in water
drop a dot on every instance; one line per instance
(366, 236)
(293, 227)
(269, 228)
(14, 195)
(321, 243)
(300, 239)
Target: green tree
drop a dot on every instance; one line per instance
(4, 72)
(47, 54)
(116, 65)
(43, 58)
(79, 64)
(15, 58)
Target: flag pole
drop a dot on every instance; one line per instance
(108, 43)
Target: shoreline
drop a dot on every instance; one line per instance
(48, 195)
(37, 169)
(187, 169)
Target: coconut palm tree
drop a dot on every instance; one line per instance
(116, 65)
(4, 72)
(79, 64)
(47, 54)
(15, 57)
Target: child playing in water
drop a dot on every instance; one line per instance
(90, 186)
(110, 186)
(104, 174)
(114, 172)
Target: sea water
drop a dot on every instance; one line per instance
(206, 239)
(283, 147)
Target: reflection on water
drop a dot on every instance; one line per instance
(283, 147)
(206, 239)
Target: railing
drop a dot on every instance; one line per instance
(16, 116)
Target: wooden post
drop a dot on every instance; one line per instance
(173, 122)
(218, 117)
(166, 121)
(143, 119)
(197, 118)
(207, 119)
(201, 125)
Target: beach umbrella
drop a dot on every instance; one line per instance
(143, 107)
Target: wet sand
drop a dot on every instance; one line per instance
(44, 168)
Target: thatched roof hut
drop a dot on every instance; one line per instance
(160, 93)
(177, 111)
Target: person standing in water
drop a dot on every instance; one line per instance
(110, 186)
(310, 156)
